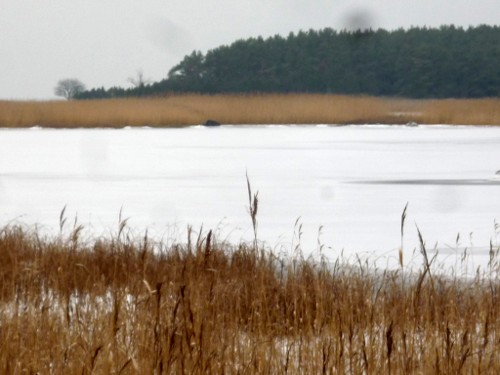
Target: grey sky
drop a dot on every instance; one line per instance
(104, 42)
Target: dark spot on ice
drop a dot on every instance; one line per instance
(438, 182)
(211, 123)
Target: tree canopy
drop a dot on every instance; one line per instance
(418, 63)
(69, 88)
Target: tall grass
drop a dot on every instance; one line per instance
(185, 110)
(129, 305)
(462, 111)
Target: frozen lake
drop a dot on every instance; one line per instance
(353, 181)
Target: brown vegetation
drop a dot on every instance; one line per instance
(182, 110)
(133, 306)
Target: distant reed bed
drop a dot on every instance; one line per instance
(183, 110)
(133, 305)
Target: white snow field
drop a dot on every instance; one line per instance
(353, 182)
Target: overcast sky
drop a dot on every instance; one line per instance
(105, 42)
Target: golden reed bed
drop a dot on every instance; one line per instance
(125, 306)
(182, 110)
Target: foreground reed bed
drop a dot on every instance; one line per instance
(128, 305)
(182, 110)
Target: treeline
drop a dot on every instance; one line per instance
(418, 63)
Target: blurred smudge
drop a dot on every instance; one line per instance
(93, 153)
(2, 192)
(447, 198)
(359, 19)
(169, 36)
(327, 193)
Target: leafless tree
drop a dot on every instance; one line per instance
(68, 88)
(139, 80)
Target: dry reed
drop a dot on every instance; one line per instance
(132, 306)
(182, 110)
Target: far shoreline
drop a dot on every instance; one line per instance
(178, 111)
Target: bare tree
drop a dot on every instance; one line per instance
(139, 80)
(68, 88)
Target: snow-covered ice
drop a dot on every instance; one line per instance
(352, 181)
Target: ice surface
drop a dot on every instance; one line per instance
(353, 181)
